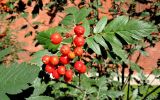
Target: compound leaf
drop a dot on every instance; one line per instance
(93, 45)
(100, 25)
(16, 77)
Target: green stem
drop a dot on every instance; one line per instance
(79, 80)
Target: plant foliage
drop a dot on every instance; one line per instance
(16, 77)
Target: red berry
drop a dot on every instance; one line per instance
(71, 55)
(69, 74)
(54, 60)
(49, 68)
(78, 51)
(78, 65)
(64, 59)
(61, 70)
(55, 74)
(83, 69)
(56, 38)
(45, 59)
(68, 80)
(79, 41)
(79, 30)
(65, 49)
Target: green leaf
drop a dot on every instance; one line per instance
(86, 25)
(24, 14)
(134, 28)
(49, 5)
(44, 38)
(144, 53)
(127, 37)
(101, 81)
(116, 45)
(120, 52)
(134, 94)
(93, 45)
(92, 21)
(154, 93)
(97, 3)
(5, 52)
(5, 97)
(157, 3)
(28, 34)
(11, 6)
(68, 20)
(99, 39)
(91, 90)
(102, 88)
(40, 98)
(135, 67)
(82, 14)
(131, 30)
(114, 94)
(61, 29)
(86, 82)
(145, 14)
(117, 24)
(39, 87)
(16, 77)
(156, 72)
(100, 25)
(68, 40)
(125, 90)
(112, 39)
(45, 35)
(139, 28)
(72, 10)
(37, 23)
(36, 57)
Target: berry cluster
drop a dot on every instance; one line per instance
(56, 65)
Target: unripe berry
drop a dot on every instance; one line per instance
(71, 55)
